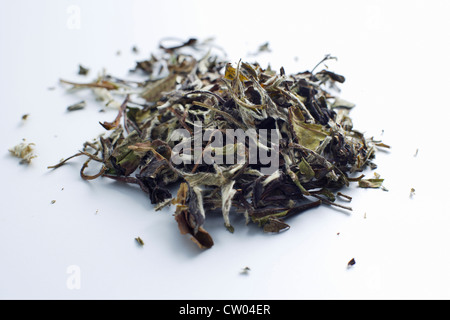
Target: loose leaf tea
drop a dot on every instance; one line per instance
(77, 106)
(245, 270)
(82, 70)
(234, 137)
(139, 241)
(24, 151)
(351, 263)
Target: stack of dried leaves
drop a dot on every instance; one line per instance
(319, 151)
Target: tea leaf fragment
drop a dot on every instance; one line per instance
(139, 241)
(77, 106)
(24, 151)
(370, 183)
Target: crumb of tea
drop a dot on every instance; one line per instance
(82, 70)
(139, 241)
(245, 270)
(24, 151)
(351, 263)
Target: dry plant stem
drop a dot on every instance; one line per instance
(103, 84)
(331, 203)
(115, 123)
(81, 153)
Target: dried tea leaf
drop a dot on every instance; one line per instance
(245, 270)
(264, 47)
(154, 91)
(275, 225)
(309, 135)
(187, 219)
(82, 70)
(306, 171)
(341, 103)
(370, 183)
(230, 73)
(351, 263)
(24, 151)
(333, 76)
(227, 196)
(139, 241)
(77, 106)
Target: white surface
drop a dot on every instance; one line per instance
(395, 58)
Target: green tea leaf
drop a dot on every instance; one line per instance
(307, 173)
(309, 135)
(370, 183)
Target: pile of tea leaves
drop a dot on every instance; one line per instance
(233, 138)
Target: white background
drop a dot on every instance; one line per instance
(394, 55)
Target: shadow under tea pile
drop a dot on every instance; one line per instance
(315, 151)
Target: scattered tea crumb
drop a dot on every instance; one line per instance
(96, 211)
(351, 263)
(24, 151)
(372, 165)
(82, 70)
(135, 49)
(25, 116)
(53, 201)
(245, 270)
(264, 47)
(412, 192)
(77, 106)
(139, 241)
(417, 151)
(365, 215)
